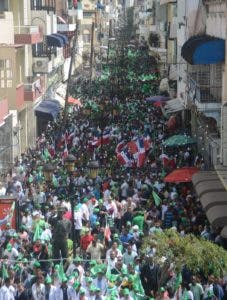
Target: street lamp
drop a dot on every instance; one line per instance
(70, 162)
(93, 167)
(48, 170)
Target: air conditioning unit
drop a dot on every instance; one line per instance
(42, 65)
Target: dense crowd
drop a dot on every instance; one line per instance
(112, 213)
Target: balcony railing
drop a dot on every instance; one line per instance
(48, 5)
(27, 35)
(203, 93)
(33, 90)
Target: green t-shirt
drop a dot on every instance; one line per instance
(139, 221)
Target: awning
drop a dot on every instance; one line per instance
(48, 109)
(203, 50)
(207, 182)
(57, 40)
(211, 199)
(174, 105)
(217, 215)
(162, 2)
(63, 37)
(212, 196)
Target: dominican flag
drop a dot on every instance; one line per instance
(141, 154)
(167, 162)
(51, 150)
(124, 159)
(105, 137)
(120, 146)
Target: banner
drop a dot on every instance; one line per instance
(7, 212)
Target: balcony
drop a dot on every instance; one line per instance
(47, 5)
(42, 65)
(20, 97)
(33, 90)
(27, 35)
(69, 25)
(205, 83)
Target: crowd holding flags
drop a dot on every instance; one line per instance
(134, 152)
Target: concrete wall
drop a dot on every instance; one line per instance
(7, 28)
(6, 142)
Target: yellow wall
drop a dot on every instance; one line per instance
(16, 57)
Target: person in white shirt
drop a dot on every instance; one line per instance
(111, 260)
(129, 255)
(114, 249)
(64, 291)
(7, 291)
(78, 217)
(49, 289)
(85, 210)
(38, 289)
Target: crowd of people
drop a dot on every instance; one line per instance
(99, 256)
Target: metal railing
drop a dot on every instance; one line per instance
(26, 29)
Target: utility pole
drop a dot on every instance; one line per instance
(92, 50)
(73, 55)
(108, 49)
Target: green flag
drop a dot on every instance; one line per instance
(178, 281)
(61, 272)
(157, 199)
(37, 233)
(4, 272)
(54, 181)
(163, 174)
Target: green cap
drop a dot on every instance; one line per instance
(36, 264)
(96, 210)
(92, 263)
(162, 289)
(77, 259)
(88, 279)
(48, 279)
(64, 278)
(97, 290)
(92, 288)
(82, 291)
(76, 285)
(9, 247)
(125, 292)
(85, 200)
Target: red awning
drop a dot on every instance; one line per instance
(74, 101)
(181, 175)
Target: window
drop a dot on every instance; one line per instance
(9, 83)
(6, 74)
(86, 36)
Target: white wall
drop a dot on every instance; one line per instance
(7, 29)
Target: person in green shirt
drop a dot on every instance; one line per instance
(139, 220)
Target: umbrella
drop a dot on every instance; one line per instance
(159, 103)
(157, 98)
(181, 175)
(179, 140)
(74, 101)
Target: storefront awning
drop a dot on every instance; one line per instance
(174, 105)
(212, 196)
(207, 182)
(217, 215)
(203, 50)
(48, 109)
(211, 199)
(162, 2)
(57, 40)
(63, 37)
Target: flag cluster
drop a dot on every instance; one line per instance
(133, 153)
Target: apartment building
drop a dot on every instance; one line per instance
(35, 50)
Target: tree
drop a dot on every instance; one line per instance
(197, 254)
